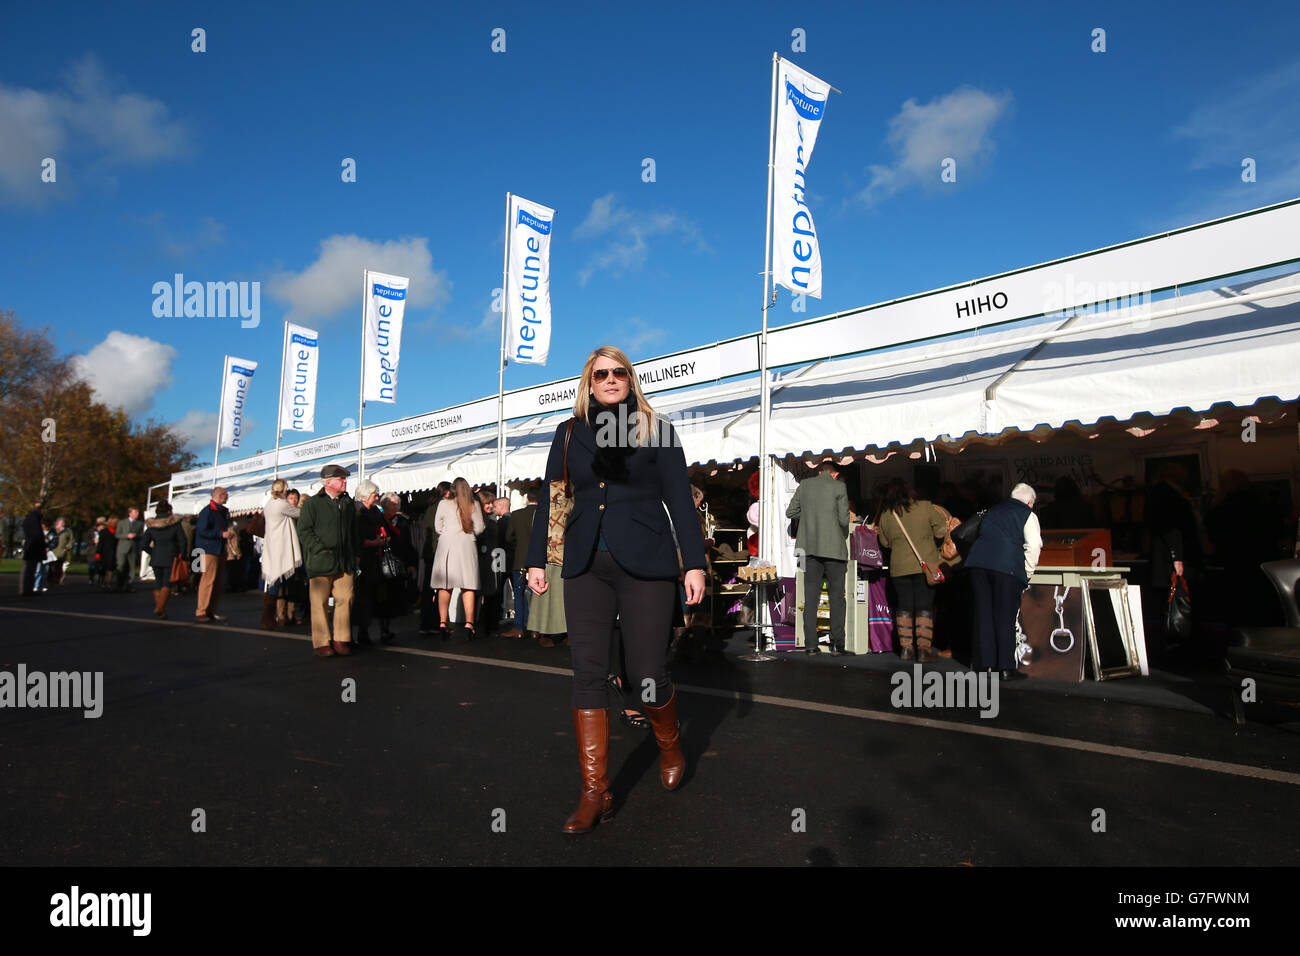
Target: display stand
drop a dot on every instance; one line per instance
(1072, 618)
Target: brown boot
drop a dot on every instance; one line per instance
(596, 802)
(158, 603)
(672, 763)
(267, 623)
(924, 638)
(160, 597)
(281, 612)
(903, 628)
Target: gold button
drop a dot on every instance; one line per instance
(602, 484)
(602, 507)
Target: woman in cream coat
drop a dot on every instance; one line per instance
(455, 565)
(281, 555)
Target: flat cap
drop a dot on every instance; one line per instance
(333, 471)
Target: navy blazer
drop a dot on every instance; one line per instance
(630, 513)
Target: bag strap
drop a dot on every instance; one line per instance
(568, 490)
(909, 539)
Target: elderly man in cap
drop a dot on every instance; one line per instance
(327, 528)
(822, 506)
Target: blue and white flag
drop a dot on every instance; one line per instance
(385, 308)
(797, 256)
(235, 379)
(298, 400)
(528, 292)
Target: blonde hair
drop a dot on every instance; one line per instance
(465, 500)
(279, 488)
(645, 414)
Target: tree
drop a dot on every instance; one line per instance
(59, 446)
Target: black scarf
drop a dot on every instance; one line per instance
(611, 458)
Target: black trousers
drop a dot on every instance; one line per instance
(645, 611)
(833, 571)
(996, 601)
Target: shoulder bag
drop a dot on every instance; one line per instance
(561, 495)
(1178, 609)
(933, 576)
(948, 550)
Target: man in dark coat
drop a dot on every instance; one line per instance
(519, 529)
(211, 532)
(33, 550)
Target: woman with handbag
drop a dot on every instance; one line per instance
(164, 539)
(398, 566)
(909, 526)
(616, 467)
(374, 540)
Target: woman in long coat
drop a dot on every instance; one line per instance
(281, 555)
(455, 564)
(164, 539)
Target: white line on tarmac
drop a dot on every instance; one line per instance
(1066, 743)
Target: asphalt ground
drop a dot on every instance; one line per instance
(458, 753)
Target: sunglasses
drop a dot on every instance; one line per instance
(600, 374)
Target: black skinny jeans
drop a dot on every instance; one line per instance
(645, 611)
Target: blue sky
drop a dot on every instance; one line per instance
(225, 166)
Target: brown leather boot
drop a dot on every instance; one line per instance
(903, 627)
(596, 802)
(924, 638)
(282, 613)
(268, 613)
(160, 597)
(157, 603)
(672, 762)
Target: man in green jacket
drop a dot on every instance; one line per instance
(327, 528)
(822, 506)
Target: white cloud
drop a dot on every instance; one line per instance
(1246, 120)
(329, 285)
(86, 123)
(958, 125)
(127, 371)
(198, 428)
(638, 335)
(628, 231)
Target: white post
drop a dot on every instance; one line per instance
(361, 393)
(765, 548)
(284, 351)
(501, 370)
(221, 410)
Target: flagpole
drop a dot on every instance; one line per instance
(361, 395)
(765, 549)
(221, 411)
(501, 371)
(279, 402)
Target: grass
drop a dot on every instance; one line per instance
(14, 566)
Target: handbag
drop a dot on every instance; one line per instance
(933, 576)
(964, 535)
(390, 565)
(1178, 609)
(561, 506)
(948, 550)
(864, 548)
(180, 574)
